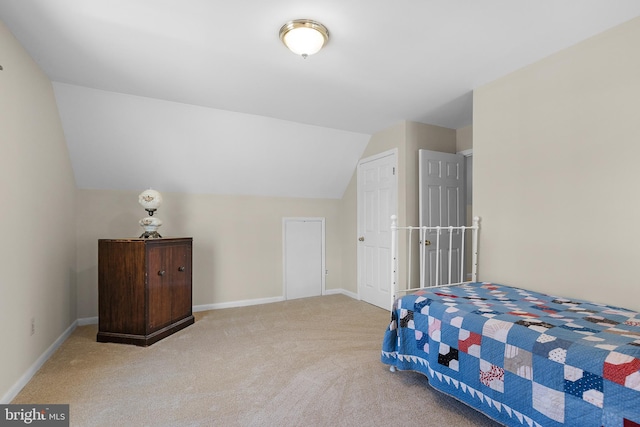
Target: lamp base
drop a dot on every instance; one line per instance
(150, 235)
(150, 226)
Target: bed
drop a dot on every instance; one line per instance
(522, 358)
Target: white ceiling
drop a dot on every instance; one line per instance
(386, 61)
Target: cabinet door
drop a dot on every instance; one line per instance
(121, 287)
(158, 287)
(181, 306)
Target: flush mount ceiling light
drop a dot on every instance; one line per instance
(304, 37)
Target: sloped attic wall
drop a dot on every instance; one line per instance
(37, 253)
(126, 142)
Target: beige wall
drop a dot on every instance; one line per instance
(349, 236)
(556, 147)
(237, 240)
(37, 227)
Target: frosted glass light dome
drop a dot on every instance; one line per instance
(304, 37)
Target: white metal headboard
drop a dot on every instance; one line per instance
(395, 230)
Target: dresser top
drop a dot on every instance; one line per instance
(140, 239)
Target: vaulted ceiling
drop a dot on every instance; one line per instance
(201, 95)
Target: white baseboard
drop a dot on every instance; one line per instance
(249, 302)
(84, 321)
(232, 304)
(343, 292)
(26, 377)
(241, 303)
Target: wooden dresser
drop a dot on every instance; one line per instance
(144, 289)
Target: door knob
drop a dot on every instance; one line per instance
(361, 238)
(181, 268)
(161, 273)
(427, 242)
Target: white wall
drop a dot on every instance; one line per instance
(37, 254)
(556, 148)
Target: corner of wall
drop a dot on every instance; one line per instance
(464, 138)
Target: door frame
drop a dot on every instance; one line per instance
(359, 201)
(323, 272)
(468, 189)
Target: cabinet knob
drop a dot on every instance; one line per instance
(161, 273)
(181, 268)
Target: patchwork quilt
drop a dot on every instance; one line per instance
(522, 358)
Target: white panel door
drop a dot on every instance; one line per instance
(377, 201)
(442, 202)
(303, 241)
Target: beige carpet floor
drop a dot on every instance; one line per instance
(306, 362)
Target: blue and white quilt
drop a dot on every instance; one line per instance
(522, 358)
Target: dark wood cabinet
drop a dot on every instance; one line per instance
(144, 289)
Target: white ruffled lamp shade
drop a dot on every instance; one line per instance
(150, 200)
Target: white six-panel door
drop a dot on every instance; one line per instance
(442, 202)
(377, 201)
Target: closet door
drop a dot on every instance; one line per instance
(303, 257)
(377, 201)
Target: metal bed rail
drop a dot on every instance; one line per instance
(422, 233)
